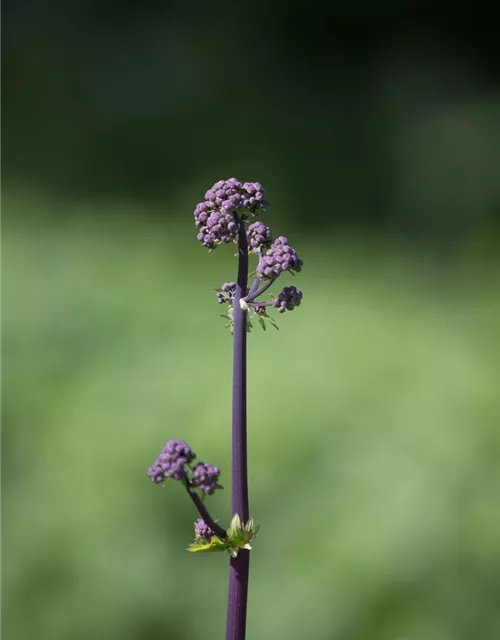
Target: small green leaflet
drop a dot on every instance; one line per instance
(238, 537)
(215, 544)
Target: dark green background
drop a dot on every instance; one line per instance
(374, 411)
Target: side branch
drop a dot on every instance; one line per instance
(203, 511)
(253, 296)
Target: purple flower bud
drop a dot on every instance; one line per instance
(226, 199)
(259, 236)
(226, 292)
(288, 299)
(216, 227)
(172, 461)
(156, 474)
(202, 531)
(280, 257)
(206, 477)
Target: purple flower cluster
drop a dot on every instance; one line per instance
(231, 195)
(258, 236)
(215, 216)
(259, 308)
(203, 531)
(172, 461)
(226, 292)
(288, 299)
(206, 478)
(214, 227)
(280, 257)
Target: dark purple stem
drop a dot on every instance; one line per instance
(239, 566)
(203, 511)
(259, 292)
(260, 304)
(254, 287)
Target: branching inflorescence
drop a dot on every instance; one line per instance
(227, 215)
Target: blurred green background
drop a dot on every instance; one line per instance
(373, 413)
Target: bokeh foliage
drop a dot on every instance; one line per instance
(380, 118)
(373, 435)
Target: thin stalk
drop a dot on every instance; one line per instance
(253, 288)
(259, 292)
(204, 514)
(239, 566)
(254, 305)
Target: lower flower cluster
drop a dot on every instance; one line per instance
(172, 462)
(175, 462)
(206, 478)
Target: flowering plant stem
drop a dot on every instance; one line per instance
(221, 219)
(203, 511)
(239, 566)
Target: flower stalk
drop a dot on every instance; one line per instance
(221, 219)
(239, 566)
(203, 511)
(252, 295)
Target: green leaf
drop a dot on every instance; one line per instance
(273, 323)
(235, 525)
(194, 547)
(250, 525)
(238, 537)
(215, 545)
